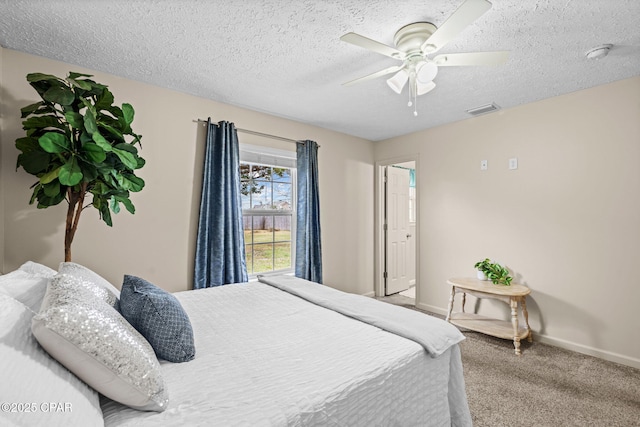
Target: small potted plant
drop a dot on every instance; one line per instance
(493, 271)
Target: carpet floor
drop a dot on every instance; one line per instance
(546, 386)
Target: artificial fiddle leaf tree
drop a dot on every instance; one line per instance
(77, 144)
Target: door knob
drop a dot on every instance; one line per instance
(408, 235)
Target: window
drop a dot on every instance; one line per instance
(268, 197)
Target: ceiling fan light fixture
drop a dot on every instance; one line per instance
(397, 82)
(423, 88)
(426, 72)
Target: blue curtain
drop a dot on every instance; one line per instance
(220, 256)
(308, 246)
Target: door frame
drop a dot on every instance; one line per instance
(379, 238)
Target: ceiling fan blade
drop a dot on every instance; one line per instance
(475, 58)
(468, 12)
(367, 43)
(374, 75)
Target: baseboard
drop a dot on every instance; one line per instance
(412, 282)
(431, 308)
(558, 342)
(589, 351)
(369, 294)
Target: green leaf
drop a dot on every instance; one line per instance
(36, 77)
(105, 100)
(73, 75)
(141, 162)
(59, 95)
(113, 131)
(80, 84)
(127, 204)
(128, 159)
(39, 122)
(135, 183)
(94, 152)
(116, 111)
(115, 206)
(31, 108)
(27, 144)
(105, 214)
(45, 201)
(52, 189)
(96, 88)
(37, 188)
(90, 122)
(89, 171)
(127, 113)
(34, 162)
(100, 188)
(137, 139)
(124, 199)
(74, 119)
(54, 142)
(50, 176)
(85, 137)
(70, 173)
(102, 142)
(127, 147)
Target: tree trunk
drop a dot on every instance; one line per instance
(76, 199)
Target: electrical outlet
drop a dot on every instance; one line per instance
(484, 165)
(513, 163)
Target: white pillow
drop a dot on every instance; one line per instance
(32, 381)
(37, 269)
(27, 284)
(83, 273)
(86, 334)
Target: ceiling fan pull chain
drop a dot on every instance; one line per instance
(413, 89)
(413, 92)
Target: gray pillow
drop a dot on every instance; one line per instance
(159, 317)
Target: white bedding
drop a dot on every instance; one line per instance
(268, 358)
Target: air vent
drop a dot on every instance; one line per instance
(489, 108)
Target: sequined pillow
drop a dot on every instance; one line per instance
(159, 317)
(82, 331)
(102, 286)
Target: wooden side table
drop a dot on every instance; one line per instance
(512, 295)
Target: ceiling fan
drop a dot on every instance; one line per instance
(415, 45)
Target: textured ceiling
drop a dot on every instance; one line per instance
(285, 57)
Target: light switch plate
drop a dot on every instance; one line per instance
(484, 165)
(513, 163)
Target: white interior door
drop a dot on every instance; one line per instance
(397, 221)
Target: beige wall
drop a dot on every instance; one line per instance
(566, 222)
(2, 95)
(158, 241)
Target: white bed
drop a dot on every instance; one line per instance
(265, 357)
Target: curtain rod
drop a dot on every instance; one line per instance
(252, 132)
